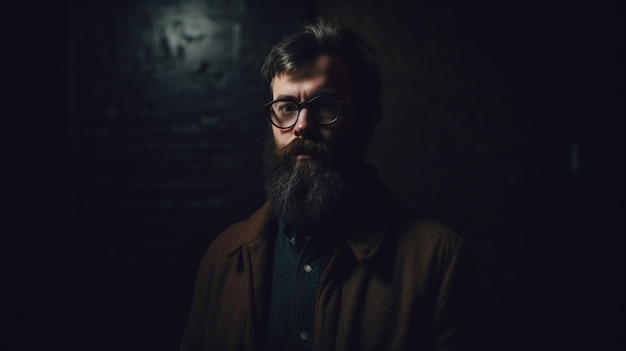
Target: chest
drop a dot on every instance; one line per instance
(356, 305)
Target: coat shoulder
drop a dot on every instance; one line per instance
(242, 232)
(418, 233)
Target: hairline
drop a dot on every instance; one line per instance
(343, 61)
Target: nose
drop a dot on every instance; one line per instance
(305, 126)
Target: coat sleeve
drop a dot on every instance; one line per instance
(459, 309)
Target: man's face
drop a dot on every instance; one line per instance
(326, 75)
(309, 169)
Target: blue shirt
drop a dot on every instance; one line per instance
(297, 266)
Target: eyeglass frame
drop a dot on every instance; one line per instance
(301, 105)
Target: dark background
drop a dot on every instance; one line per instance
(132, 133)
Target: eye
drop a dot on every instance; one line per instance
(327, 107)
(284, 107)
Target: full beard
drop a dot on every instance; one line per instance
(306, 192)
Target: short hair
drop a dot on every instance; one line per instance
(326, 36)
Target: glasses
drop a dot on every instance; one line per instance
(324, 109)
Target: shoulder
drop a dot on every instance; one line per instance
(418, 228)
(422, 236)
(240, 233)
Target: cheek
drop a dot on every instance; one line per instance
(339, 132)
(331, 135)
(281, 137)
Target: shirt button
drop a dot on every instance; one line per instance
(308, 268)
(304, 336)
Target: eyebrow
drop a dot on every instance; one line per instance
(323, 91)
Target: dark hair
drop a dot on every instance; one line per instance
(322, 37)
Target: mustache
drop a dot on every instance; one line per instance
(304, 146)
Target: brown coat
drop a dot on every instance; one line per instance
(395, 283)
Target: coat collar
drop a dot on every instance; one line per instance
(258, 226)
(364, 245)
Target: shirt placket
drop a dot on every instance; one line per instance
(307, 278)
(306, 291)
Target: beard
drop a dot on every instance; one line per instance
(306, 192)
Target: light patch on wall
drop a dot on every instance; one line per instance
(196, 38)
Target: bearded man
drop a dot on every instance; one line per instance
(330, 262)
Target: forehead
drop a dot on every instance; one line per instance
(326, 73)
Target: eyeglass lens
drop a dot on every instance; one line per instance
(323, 109)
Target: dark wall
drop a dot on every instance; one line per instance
(134, 131)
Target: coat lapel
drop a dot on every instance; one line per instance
(253, 244)
(255, 261)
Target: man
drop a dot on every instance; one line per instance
(330, 262)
